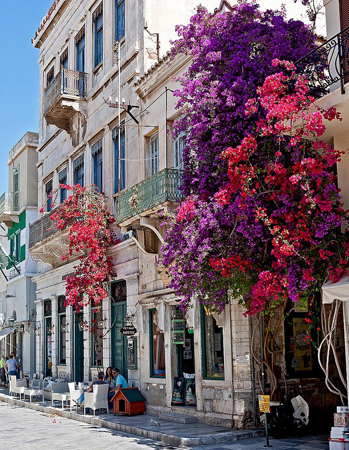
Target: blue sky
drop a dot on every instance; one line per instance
(19, 75)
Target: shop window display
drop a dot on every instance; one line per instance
(213, 354)
(157, 347)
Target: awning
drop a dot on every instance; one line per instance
(5, 332)
(336, 291)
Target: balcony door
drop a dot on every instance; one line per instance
(80, 64)
(80, 55)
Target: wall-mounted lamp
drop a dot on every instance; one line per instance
(11, 321)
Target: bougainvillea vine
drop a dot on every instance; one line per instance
(85, 216)
(262, 219)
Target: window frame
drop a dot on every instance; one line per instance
(203, 346)
(78, 166)
(16, 182)
(50, 76)
(119, 155)
(63, 179)
(120, 8)
(80, 49)
(95, 312)
(97, 160)
(98, 39)
(48, 192)
(154, 154)
(178, 146)
(62, 315)
(151, 345)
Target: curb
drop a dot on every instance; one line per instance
(164, 438)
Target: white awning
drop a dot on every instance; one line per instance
(336, 291)
(5, 332)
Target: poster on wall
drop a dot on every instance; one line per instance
(302, 352)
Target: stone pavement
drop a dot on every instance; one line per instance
(167, 435)
(31, 430)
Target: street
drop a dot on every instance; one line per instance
(28, 429)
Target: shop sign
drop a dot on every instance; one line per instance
(128, 330)
(264, 403)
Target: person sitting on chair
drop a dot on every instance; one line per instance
(90, 389)
(119, 381)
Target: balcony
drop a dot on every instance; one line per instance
(46, 243)
(161, 189)
(9, 209)
(64, 97)
(328, 65)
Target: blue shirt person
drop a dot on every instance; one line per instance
(119, 381)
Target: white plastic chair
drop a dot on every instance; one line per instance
(74, 394)
(36, 390)
(98, 399)
(60, 392)
(16, 386)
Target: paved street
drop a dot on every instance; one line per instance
(27, 429)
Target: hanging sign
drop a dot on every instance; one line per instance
(264, 403)
(128, 330)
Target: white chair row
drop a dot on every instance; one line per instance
(63, 392)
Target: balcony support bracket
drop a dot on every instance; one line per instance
(150, 223)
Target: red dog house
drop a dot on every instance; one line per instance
(128, 401)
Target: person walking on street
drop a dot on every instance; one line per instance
(2, 371)
(11, 365)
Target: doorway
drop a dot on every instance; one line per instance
(185, 379)
(118, 340)
(185, 355)
(78, 349)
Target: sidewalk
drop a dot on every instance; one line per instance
(172, 435)
(148, 425)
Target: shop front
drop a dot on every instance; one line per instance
(186, 361)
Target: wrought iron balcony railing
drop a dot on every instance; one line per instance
(162, 187)
(67, 82)
(328, 63)
(41, 229)
(8, 203)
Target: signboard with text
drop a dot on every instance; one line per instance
(128, 330)
(264, 403)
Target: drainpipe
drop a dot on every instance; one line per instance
(232, 365)
(262, 353)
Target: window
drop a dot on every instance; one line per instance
(97, 155)
(119, 19)
(119, 159)
(78, 166)
(16, 189)
(48, 192)
(50, 76)
(178, 147)
(154, 154)
(212, 347)
(62, 177)
(64, 59)
(80, 51)
(62, 324)
(15, 247)
(98, 24)
(96, 337)
(157, 347)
